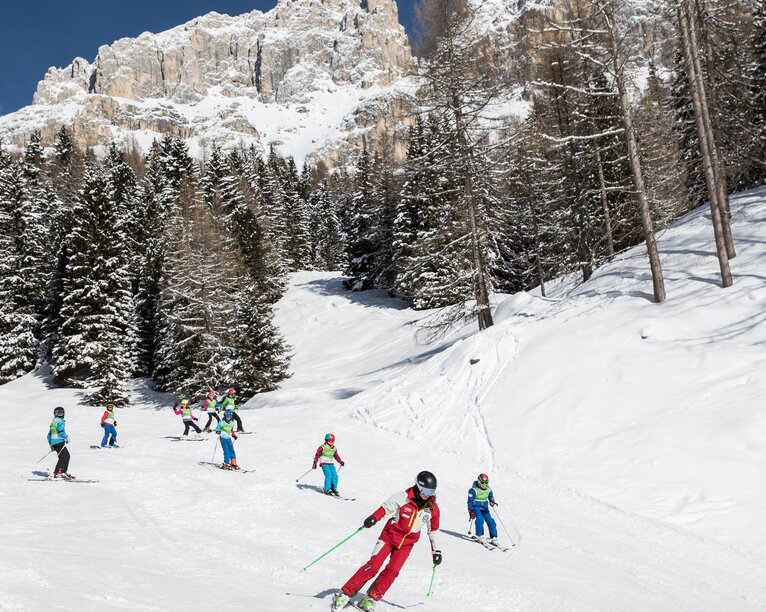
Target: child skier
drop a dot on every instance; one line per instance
(411, 510)
(231, 404)
(480, 498)
(109, 423)
(211, 406)
(58, 439)
(188, 417)
(326, 455)
(224, 429)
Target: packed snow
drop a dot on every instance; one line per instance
(625, 443)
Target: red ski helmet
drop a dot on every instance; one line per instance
(330, 438)
(211, 394)
(230, 392)
(482, 479)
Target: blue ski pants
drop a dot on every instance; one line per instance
(330, 476)
(109, 432)
(227, 444)
(482, 515)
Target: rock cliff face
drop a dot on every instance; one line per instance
(310, 76)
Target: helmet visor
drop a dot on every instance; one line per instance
(426, 492)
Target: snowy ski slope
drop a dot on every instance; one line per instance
(625, 441)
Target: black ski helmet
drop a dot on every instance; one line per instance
(426, 481)
(58, 411)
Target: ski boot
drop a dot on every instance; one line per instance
(340, 601)
(367, 604)
(494, 542)
(206, 430)
(234, 465)
(327, 491)
(334, 492)
(63, 475)
(226, 466)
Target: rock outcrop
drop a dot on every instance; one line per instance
(305, 76)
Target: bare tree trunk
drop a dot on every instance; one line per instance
(538, 262)
(633, 156)
(720, 177)
(704, 141)
(480, 280)
(605, 204)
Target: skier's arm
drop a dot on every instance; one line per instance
(433, 528)
(390, 506)
(316, 457)
(471, 498)
(62, 432)
(338, 459)
(103, 418)
(492, 501)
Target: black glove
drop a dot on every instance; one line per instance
(102, 424)
(493, 503)
(342, 464)
(471, 514)
(437, 555)
(370, 521)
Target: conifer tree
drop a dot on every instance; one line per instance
(361, 246)
(326, 237)
(96, 337)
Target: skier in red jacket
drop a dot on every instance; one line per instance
(410, 510)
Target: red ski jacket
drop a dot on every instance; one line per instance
(403, 528)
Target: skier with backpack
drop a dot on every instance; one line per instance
(480, 498)
(109, 424)
(58, 439)
(327, 455)
(211, 406)
(230, 403)
(410, 510)
(188, 418)
(226, 434)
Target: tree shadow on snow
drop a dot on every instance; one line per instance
(374, 298)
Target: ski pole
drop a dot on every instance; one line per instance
(302, 475)
(497, 514)
(333, 548)
(215, 448)
(431, 584)
(470, 526)
(44, 456)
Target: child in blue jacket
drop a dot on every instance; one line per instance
(58, 439)
(480, 498)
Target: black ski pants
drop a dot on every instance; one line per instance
(62, 465)
(235, 416)
(210, 416)
(188, 424)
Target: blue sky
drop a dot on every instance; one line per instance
(37, 34)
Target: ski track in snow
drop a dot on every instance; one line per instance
(630, 490)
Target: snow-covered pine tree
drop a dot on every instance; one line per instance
(94, 343)
(26, 202)
(297, 244)
(361, 245)
(326, 238)
(407, 219)
(461, 89)
(260, 358)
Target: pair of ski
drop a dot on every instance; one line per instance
(489, 546)
(110, 446)
(219, 466)
(47, 476)
(340, 497)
